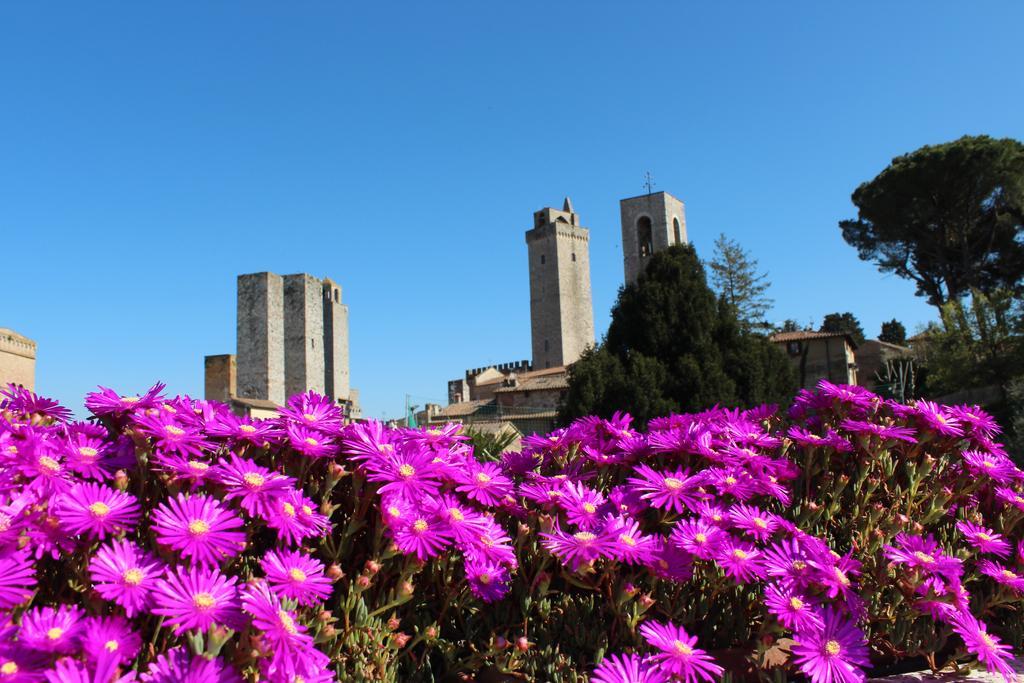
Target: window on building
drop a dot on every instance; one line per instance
(679, 233)
(542, 259)
(793, 348)
(545, 344)
(574, 257)
(643, 236)
(337, 296)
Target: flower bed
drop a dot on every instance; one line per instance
(169, 540)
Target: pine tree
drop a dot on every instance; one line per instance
(734, 276)
(673, 346)
(844, 322)
(893, 332)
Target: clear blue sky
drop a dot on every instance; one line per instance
(151, 151)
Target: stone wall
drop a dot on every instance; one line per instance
(260, 336)
(17, 360)
(303, 334)
(220, 378)
(664, 212)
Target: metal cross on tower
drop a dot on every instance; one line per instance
(648, 181)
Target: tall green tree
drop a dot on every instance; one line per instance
(949, 217)
(893, 332)
(736, 279)
(674, 346)
(843, 322)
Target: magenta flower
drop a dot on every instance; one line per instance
(1002, 575)
(676, 491)
(197, 598)
(492, 544)
(313, 411)
(199, 527)
(109, 402)
(310, 442)
(678, 654)
(847, 395)
(627, 668)
(832, 654)
(296, 576)
(109, 639)
(938, 418)
(983, 539)
(254, 486)
(996, 656)
(286, 639)
(52, 630)
(879, 431)
(581, 505)
(996, 466)
(831, 439)
(67, 670)
(1010, 497)
(487, 580)
(698, 538)
(629, 544)
(579, 548)
(408, 473)
(17, 579)
(95, 510)
(295, 517)
(740, 560)
(790, 562)
(178, 666)
(977, 420)
(171, 435)
(241, 430)
(125, 575)
(924, 554)
(835, 574)
(423, 536)
(794, 610)
(754, 521)
(185, 468)
(464, 524)
(732, 481)
(485, 483)
(85, 453)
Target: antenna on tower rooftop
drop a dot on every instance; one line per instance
(648, 181)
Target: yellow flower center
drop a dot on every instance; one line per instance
(203, 601)
(434, 432)
(111, 646)
(796, 604)
(589, 508)
(296, 575)
(700, 538)
(13, 450)
(627, 540)
(484, 579)
(1007, 574)
(730, 480)
(49, 464)
(984, 537)
(174, 430)
(309, 417)
(247, 429)
(87, 452)
(132, 577)
(760, 523)
(197, 466)
(198, 527)
(987, 639)
(287, 623)
(406, 470)
(99, 509)
(673, 484)
(394, 511)
(841, 575)
(306, 510)
(8, 668)
(420, 525)
(924, 557)
(130, 399)
(584, 536)
(55, 633)
(739, 554)
(310, 441)
(682, 648)
(799, 565)
(456, 514)
(483, 478)
(833, 648)
(288, 509)
(253, 480)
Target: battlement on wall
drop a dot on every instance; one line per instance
(504, 368)
(12, 342)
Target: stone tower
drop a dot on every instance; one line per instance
(650, 223)
(336, 381)
(261, 337)
(303, 334)
(561, 312)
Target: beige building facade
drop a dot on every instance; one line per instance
(17, 359)
(820, 355)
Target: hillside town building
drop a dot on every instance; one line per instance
(17, 359)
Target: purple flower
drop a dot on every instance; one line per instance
(831, 440)
(880, 431)
(242, 429)
(977, 420)
(938, 418)
(178, 666)
(698, 538)
(109, 639)
(740, 560)
(676, 491)
(847, 395)
(171, 435)
(95, 510)
(310, 442)
(794, 610)
(579, 548)
(790, 562)
(296, 576)
(195, 599)
(832, 654)
(754, 521)
(52, 630)
(254, 486)
(628, 668)
(990, 651)
(484, 483)
(1002, 575)
(294, 517)
(411, 474)
(487, 580)
(581, 505)
(464, 524)
(109, 402)
(995, 466)
(983, 539)
(423, 536)
(125, 575)
(17, 579)
(677, 652)
(924, 554)
(313, 411)
(285, 638)
(199, 527)
(629, 544)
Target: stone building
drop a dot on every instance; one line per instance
(561, 311)
(820, 355)
(650, 223)
(292, 337)
(17, 359)
(872, 355)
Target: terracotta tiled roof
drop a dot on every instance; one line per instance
(462, 409)
(801, 335)
(534, 383)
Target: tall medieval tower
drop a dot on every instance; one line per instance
(561, 312)
(650, 223)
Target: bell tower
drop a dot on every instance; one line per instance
(561, 311)
(650, 223)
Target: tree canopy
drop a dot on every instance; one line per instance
(844, 322)
(735, 277)
(893, 332)
(673, 346)
(948, 217)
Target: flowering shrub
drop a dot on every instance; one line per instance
(170, 540)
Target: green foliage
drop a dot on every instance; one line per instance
(789, 325)
(897, 379)
(978, 344)
(844, 322)
(673, 346)
(490, 445)
(949, 217)
(893, 332)
(734, 276)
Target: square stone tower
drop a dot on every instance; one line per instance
(303, 334)
(261, 337)
(650, 223)
(336, 381)
(561, 312)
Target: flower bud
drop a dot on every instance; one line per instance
(394, 623)
(522, 644)
(500, 643)
(401, 639)
(431, 632)
(334, 572)
(324, 616)
(646, 600)
(336, 471)
(328, 631)
(121, 480)
(372, 567)
(406, 588)
(630, 589)
(363, 581)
